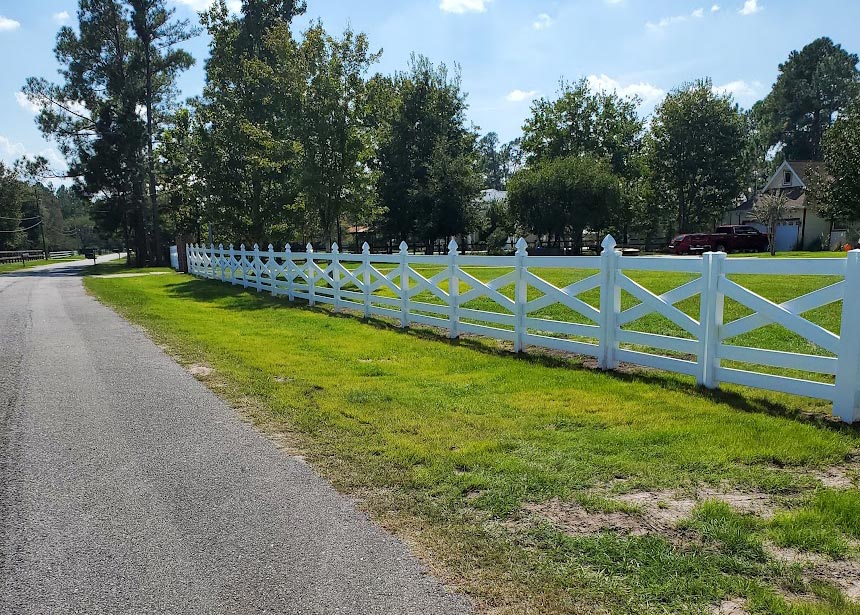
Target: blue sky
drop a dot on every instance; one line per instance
(509, 51)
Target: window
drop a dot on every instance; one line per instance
(786, 178)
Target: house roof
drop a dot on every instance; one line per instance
(802, 167)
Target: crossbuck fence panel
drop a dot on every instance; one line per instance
(521, 307)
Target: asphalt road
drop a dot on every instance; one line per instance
(126, 486)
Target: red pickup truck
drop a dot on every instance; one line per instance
(730, 238)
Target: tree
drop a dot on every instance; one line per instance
(156, 35)
(490, 157)
(248, 150)
(580, 121)
(563, 196)
(427, 161)
(769, 209)
(813, 85)
(11, 196)
(324, 77)
(696, 154)
(178, 170)
(93, 114)
(835, 192)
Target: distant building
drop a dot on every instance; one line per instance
(801, 228)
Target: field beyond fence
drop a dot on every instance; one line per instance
(705, 317)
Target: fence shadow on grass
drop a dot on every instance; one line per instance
(204, 290)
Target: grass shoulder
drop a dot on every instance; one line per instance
(460, 447)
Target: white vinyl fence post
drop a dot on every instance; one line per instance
(221, 260)
(311, 278)
(232, 256)
(335, 275)
(453, 291)
(404, 284)
(845, 401)
(270, 267)
(521, 291)
(211, 271)
(711, 303)
(288, 262)
(243, 262)
(257, 266)
(188, 260)
(610, 304)
(365, 263)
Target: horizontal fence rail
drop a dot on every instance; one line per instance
(517, 305)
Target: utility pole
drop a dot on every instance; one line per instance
(41, 218)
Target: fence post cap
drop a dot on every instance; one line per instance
(452, 246)
(365, 248)
(271, 248)
(256, 247)
(309, 247)
(522, 246)
(288, 248)
(608, 244)
(212, 246)
(231, 247)
(221, 246)
(334, 248)
(404, 247)
(242, 247)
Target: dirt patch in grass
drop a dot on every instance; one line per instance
(200, 371)
(645, 512)
(844, 574)
(845, 475)
(733, 606)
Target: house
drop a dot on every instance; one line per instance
(801, 228)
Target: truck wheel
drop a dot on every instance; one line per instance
(721, 248)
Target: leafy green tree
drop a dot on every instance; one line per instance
(836, 192)
(579, 121)
(813, 85)
(178, 170)
(427, 161)
(157, 36)
(323, 77)
(11, 196)
(490, 157)
(697, 155)
(249, 153)
(561, 197)
(94, 117)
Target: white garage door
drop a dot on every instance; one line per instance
(787, 235)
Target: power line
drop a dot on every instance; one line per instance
(21, 230)
(20, 219)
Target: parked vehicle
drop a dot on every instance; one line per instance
(729, 238)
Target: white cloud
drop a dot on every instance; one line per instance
(7, 24)
(234, 6)
(740, 90)
(521, 95)
(25, 103)
(61, 17)
(648, 93)
(715, 8)
(464, 6)
(10, 151)
(542, 22)
(750, 7)
(675, 19)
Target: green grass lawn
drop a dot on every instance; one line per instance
(460, 448)
(7, 267)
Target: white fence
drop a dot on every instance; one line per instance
(358, 281)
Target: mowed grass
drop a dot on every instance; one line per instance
(445, 442)
(7, 267)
